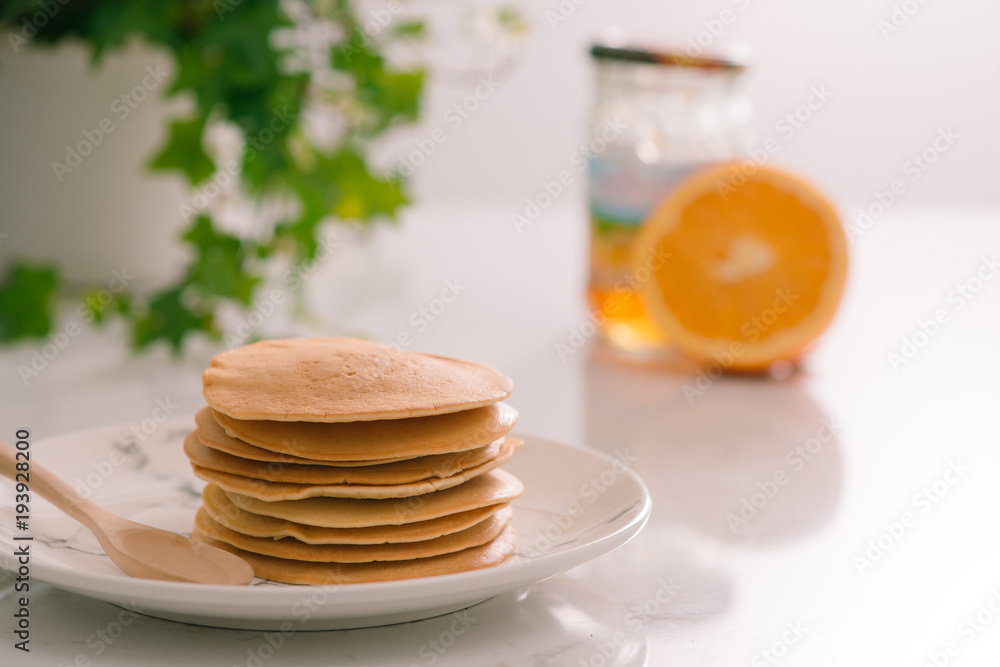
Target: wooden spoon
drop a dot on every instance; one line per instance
(139, 550)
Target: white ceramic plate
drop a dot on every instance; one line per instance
(578, 504)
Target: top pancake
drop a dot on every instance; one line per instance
(343, 380)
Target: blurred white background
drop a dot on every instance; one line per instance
(899, 74)
(892, 89)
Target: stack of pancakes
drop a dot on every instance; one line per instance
(336, 460)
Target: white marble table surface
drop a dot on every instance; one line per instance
(799, 584)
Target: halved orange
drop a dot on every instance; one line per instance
(742, 269)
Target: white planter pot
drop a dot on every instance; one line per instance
(93, 213)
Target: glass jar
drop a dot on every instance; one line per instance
(658, 116)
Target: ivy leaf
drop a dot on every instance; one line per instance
(226, 61)
(101, 24)
(411, 29)
(184, 151)
(342, 186)
(218, 269)
(12, 11)
(263, 160)
(229, 70)
(395, 95)
(98, 311)
(355, 54)
(302, 233)
(111, 24)
(389, 95)
(361, 194)
(168, 319)
(27, 301)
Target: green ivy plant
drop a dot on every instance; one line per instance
(227, 63)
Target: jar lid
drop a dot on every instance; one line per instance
(669, 57)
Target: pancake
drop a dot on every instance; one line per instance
(212, 435)
(358, 441)
(496, 486)
(278, 491)
(344, 380)
(218, 505)
(319, 574)
(292, 549)
(400, 472)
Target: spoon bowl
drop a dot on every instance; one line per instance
(152, 553)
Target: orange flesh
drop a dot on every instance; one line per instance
(702, 242)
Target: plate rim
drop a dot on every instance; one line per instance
(477, 585)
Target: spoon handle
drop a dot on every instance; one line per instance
(47, 484)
